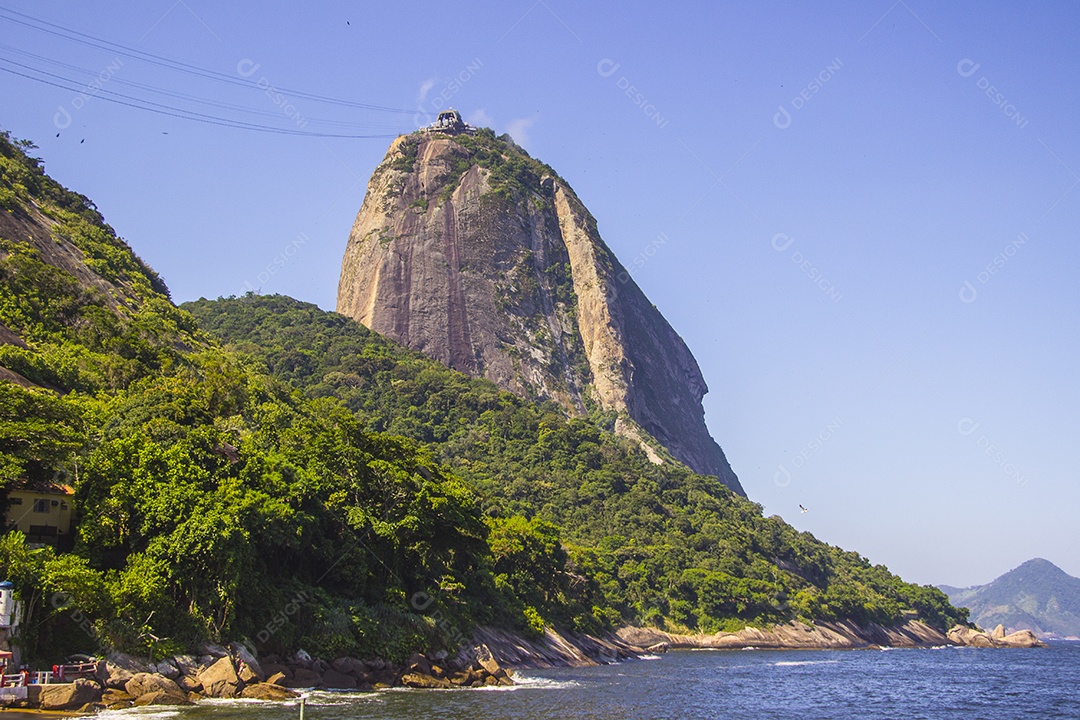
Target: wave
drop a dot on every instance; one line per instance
(649, 657)
(529, 682)
(795, 663)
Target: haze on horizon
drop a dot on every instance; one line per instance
(861, 219)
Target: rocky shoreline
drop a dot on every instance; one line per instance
(829, 636)
(123, 681)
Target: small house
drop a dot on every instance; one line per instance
(41, 511)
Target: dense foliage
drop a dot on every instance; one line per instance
(659, 543)
(309, 483)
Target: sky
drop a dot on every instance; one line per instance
(861, 217)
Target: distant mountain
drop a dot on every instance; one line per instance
(1037, 596)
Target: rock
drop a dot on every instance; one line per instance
(220, 679)
(998, 632)
(127, 662)
(301, 658)
(486, 660)
(338, 680)
(189, 683)
(250, 670)
(115, 696)
(145, 683)
(350, 666)
(160, 697)
(319, 666)
(276, 668)
(277, 678)
(214, 651)
(420, 680)
(117, 677)
(658, 649)
(304, 678)
(188, 664)
(1022, 639)
(418, 664)
(69, 696)
(403, 275)
(268, 691)
(167, 669)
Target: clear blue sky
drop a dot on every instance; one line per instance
(809, 194)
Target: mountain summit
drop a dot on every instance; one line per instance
(481, 257)
(1037, 596)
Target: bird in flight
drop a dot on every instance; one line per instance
(802, 509)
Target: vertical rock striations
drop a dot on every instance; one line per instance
(477, 255)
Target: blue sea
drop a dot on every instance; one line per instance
(931, 684)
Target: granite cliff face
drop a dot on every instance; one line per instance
(481, 257)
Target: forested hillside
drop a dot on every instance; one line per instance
(662, 544)
(284, 457)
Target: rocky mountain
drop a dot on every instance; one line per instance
(1037, 596)
(474, 253)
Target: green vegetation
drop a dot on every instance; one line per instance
(297, 461)
(653, 543)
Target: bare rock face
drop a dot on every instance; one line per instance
(473, 253)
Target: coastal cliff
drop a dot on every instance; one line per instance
(484, 259)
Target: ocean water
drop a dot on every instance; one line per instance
(932, 684)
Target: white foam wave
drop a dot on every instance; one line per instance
(795, 663)
(649, 657)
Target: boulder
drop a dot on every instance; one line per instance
(304, 678)
(268, 691)
(215, 651)
(116, 700)
(998, 632)
(418, 664)
(338, 680)
(1021, 639)
(320, 666)
(420, 680)
(300, 658)
(128, 662)
(167, 669)
(349, 666)
(486, 660)
(160, 697)
(250, 670)
(116, 676)
(145, 683)
(274, 668)
(277, 679)
(220, 679)
(189, 683)
(187, 663)
(69, 696)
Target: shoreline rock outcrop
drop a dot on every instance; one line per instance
(996, 638)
